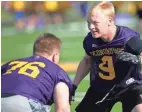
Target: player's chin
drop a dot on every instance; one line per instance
(95, 36)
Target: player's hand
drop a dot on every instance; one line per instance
(74, 87)
(127, 57)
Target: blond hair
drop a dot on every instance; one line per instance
(105, 7)
(46, 43)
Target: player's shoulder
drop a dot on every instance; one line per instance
(8, 64)
(89, 35)
(62, 76)
(51, 67)
(89, 38)
(61, 71)
(13, 60)
(22, 59)
(54, 70)
(128, 31)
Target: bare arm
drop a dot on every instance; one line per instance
(82, 70)
(61, 97)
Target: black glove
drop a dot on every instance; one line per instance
(74, 87)
(127, 57)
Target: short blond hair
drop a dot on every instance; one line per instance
(107, 8)
(46, 43)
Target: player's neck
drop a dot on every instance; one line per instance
(45, 56)
(111, 34)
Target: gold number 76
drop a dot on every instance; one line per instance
(24, 66)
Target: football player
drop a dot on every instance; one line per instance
(113, 58)
(33, 84)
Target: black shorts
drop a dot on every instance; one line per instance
(129, 99)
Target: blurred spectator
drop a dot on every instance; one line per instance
(31, 22)
(76, 10)
(125, 7)
(6, 13)
(63, 8)
(139, 13)
(7, 5)
(126, 14)
(31, 15)
(117, 5)
(34, 16)
(19, 14)
(84, 8)
(51, 9)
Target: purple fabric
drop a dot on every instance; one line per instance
(101, 50)
(40, 88)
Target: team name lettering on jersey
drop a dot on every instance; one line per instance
(105, 51)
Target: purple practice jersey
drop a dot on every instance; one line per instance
(34, 77)
(102, 73)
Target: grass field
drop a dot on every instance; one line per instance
(18, 46)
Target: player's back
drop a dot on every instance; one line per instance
(33, 77)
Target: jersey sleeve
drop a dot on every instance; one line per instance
(134, 45)
(63, 77)
(85, 45)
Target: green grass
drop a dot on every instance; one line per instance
(18, 46)
(116, 108)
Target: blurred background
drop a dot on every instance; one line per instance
(23, 21)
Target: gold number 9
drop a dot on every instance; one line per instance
(110, 68)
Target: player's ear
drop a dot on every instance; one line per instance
(109, 21)
(53, 57)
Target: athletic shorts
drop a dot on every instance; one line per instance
(130, 98)
(18, 103)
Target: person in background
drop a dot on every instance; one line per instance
(139, 13)
(19, 14)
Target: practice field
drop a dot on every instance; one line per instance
(18, 46)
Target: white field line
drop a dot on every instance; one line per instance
(79, 96)
(86, 78)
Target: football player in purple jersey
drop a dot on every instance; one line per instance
(113, 58)
(33, 84)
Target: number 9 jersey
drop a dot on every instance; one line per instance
(102, 73)
(33, 77)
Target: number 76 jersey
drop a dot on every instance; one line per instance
(102, 73)
(34, 77)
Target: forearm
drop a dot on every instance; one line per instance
(63, 109)
(82, 71)
(61, 97)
